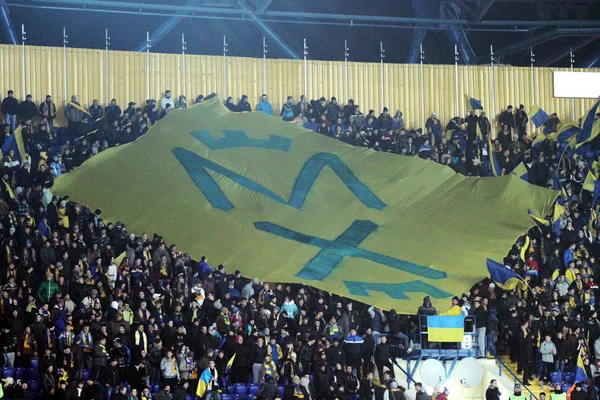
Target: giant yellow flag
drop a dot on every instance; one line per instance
(285, 204)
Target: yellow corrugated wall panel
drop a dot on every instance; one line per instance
(127, 81)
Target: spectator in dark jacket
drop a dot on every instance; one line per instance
(10, 108)
(267, 390)
(243, 105)
(27, 109)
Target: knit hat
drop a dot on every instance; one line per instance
(217, 305)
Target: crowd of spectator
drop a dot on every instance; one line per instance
(149, 326)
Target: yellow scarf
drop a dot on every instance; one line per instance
(173, 365)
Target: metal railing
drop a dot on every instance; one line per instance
(515, 378)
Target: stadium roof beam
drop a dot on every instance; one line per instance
(269, 31)
(285, 16)
(482, 10)
(7, 22)
(565, 50)
(260, 6)
(542, 38)
(164, 28)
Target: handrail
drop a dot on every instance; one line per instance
(394, 362)
(516, 380)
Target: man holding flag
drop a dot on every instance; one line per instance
(208, 383)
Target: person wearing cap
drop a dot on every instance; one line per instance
(264, 105)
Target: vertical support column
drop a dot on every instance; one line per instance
(264, 65)
(456, 111)
(305, 70)
(148, 46)
(382, 55)
(106, 74)
(224, 68)
(23, 69)
(572, 57)
(346, 54)
(532, 60)
(183, 71)
(65, 42)
(493, 85)
(422, 58)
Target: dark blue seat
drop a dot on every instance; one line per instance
(566, 387)
(241, 390)
(35, 363)
(155, 389)
(555, 377)
(226, 396)
(21, 373)
(252, 390)
(8, 372)
(569, 377)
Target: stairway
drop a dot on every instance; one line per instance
(534, 381)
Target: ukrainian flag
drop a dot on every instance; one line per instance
(588, 128)
(203, 382)
(580, 374)
(445, 329)
(495, 165)
(538, 116)
(504, 277)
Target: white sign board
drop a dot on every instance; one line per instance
(584, 85)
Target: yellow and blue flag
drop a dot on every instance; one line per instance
(494, 163)
(474, 103)
(268, 183)
(525, 248)
(580, 374)
(9, 190)
(504, 277)
(203, 382)
(589, 129)
(540, 222)
(592, 185)
(230, 363)
(521, 171)
(14, 142)
(566, 132)
(538, 116)
(446, 328)
(559, 210)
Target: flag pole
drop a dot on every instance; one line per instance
(23, 70)
(422, 57)
(456, 77)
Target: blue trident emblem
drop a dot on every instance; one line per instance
(333, 251)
